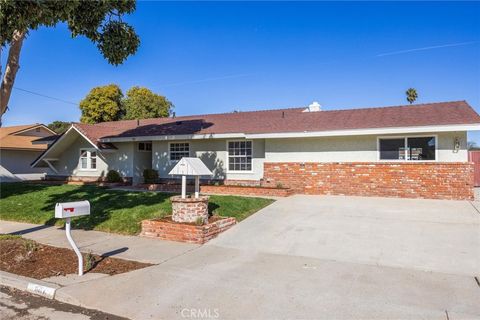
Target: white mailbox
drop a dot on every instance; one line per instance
(67, 210)
(72, 209)
(190, 167)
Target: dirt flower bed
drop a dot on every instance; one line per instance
(32, 259)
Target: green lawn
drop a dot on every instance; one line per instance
(111, 210)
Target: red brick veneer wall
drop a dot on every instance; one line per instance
(385, 179)
(243, 190)
(84, 179)
(168, 230)
(247, 191)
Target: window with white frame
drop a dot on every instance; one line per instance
(88, 159)
(408, 148)
(179, 150)
(240, 155)
(144, 146)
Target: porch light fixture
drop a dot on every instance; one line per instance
(456, 145)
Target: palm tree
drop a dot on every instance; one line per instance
(471, 145)
(411, 95)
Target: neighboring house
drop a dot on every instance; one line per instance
(401, 151)
(20, 145)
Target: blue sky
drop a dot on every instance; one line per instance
(220, 56)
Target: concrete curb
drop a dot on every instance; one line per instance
(39, 287)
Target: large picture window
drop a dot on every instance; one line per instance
(179, 150)
(240, 155)
(88, 159)
(407, 148)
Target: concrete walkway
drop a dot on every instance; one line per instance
(312, 257)
(102, 243)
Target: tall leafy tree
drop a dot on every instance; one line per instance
(59, 126)
(102, 104)
(100, 21)
(142, 103)
(411, 95)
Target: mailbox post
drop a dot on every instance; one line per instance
(67, 210)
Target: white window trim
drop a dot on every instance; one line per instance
(89, 161)
(145, 143)
(228, 158)
(176, 142)
(405, 137)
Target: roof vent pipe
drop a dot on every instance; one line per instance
(313, 107)
(138, 122)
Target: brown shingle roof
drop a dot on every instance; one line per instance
(10, 140)
(289, 120)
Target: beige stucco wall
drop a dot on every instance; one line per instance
(445, 147)
(17, 161)
(69, 160)
(214, 154)
(121, 159)
(351, 149)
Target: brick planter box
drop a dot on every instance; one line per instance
(127, 181)
(223, 189)
(166, 229)
(247, 190)
(165, 187)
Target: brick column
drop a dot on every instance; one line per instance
(190, 210)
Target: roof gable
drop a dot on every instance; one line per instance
(22, 137)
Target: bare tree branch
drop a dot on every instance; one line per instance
(11, 68)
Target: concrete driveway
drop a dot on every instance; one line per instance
(427, 235)
(313, 257)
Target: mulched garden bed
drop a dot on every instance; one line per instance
(32, 259)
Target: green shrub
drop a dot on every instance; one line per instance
(150, 176)
(114, 176)
(30, 246)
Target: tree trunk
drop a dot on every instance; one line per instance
(11, 69)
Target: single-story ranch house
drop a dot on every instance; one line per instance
(415, 151)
